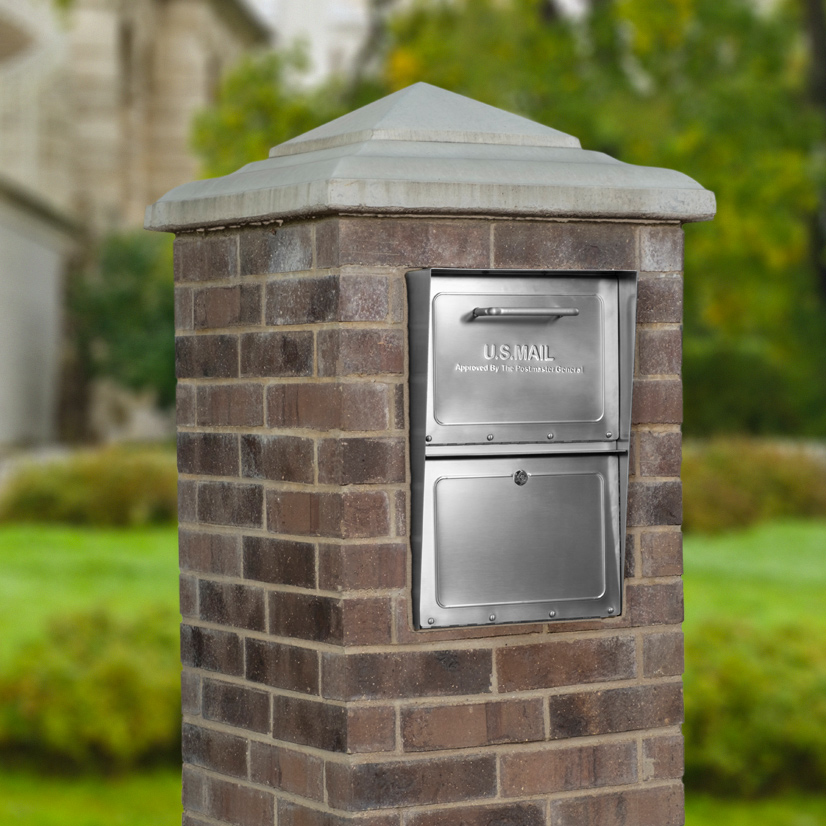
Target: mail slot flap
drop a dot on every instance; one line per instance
(516, 538)
(519, 358)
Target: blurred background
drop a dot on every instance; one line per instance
(107, 104)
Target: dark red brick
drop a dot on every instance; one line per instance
(190, 692)
(371, 729)
(343, 515)
(277, 354)
(660, 806)
(223, 503)
(406, 674)
(293, 772)
(632, 708)
(361, 461)
(659, 352)
(184, 316)
(212, 650)
(663, 655)
(282, 666)
(562, 246)
(330, 406)
(188, 596)
(364, 297)
(564, 662)
(274, 249)
(193, 788)
(354, 352)
(403, 242)
(630, 567)
(292, 814)
(655, 503)
(309, 723)
(660, 299)
(208, 454)
(206, 357)
(361, 567)
(553, 770)
(205, 257)
(514, 814)
(279, 561)
(279, 458)
(660, 453)
(230, 405)
(428, 728)
(302, 300)
(657, 401)
(662, 757)
(217, 307)
(236, 705)
(238, 805)
(660, 604)
(184, 404)
(366, 786)
(209, 553)
(661, 553)
(215, 750)
(661, 249)
(228, 604)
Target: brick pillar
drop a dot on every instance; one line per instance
(309, 700)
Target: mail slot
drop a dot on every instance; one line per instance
(520, 407)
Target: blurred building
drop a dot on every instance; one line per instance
(96, 100)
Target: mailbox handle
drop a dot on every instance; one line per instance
(541, 312)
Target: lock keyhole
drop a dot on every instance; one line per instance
(520, 477)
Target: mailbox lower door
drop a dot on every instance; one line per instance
(519, 539)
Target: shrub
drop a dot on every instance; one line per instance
(755, 709)
(734, 483)
(109, 487)
(97, 692)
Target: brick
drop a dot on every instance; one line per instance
(330, 406)
(205, 257)
(279, 561)
(217, 307)
(228, 604)
(184, 405)
(661, 454)
(239, 805)
(189, 820)
(663, 757)
(184, 313)
(342, 515)
(364, 297)
(400, 512)
(403, 242)
(209, 553)
(663, 655)
(212, 650)
(576, 246)
(282, 666)
(399, 407)
(659, 352)
(661, 806)
(206, 357)
(230, 405)
(428, 728)
(614, 710)
(354, 352)
(654, 503)
(188, 596)
(361, 461)
(215, 750)
(406, 674)
(661, 249)
(568, 769)
(660, 299)
(660, 604)
(302, 300)
(193, 788)
(223, 503)
(661, 553)
(208, 454)
(556, 663)
(323, 619)
(514, 814)
(657, 401)
(190, 692)
(371, 729)
(293, 772)
(236, 705)
(277, 354)
(309, 723)
(630, 568)
(361, 567)
(368, 786)
(278, 458)
(275, 249)
(292, 814)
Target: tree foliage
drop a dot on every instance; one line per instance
(718, 89)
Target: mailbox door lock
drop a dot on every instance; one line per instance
(520, 477)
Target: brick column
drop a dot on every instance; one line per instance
(309, 700)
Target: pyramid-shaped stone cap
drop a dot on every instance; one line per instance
(425, 150)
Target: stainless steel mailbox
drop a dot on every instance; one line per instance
(520, 406)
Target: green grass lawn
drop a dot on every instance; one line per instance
(781, 811)
(49, 570)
